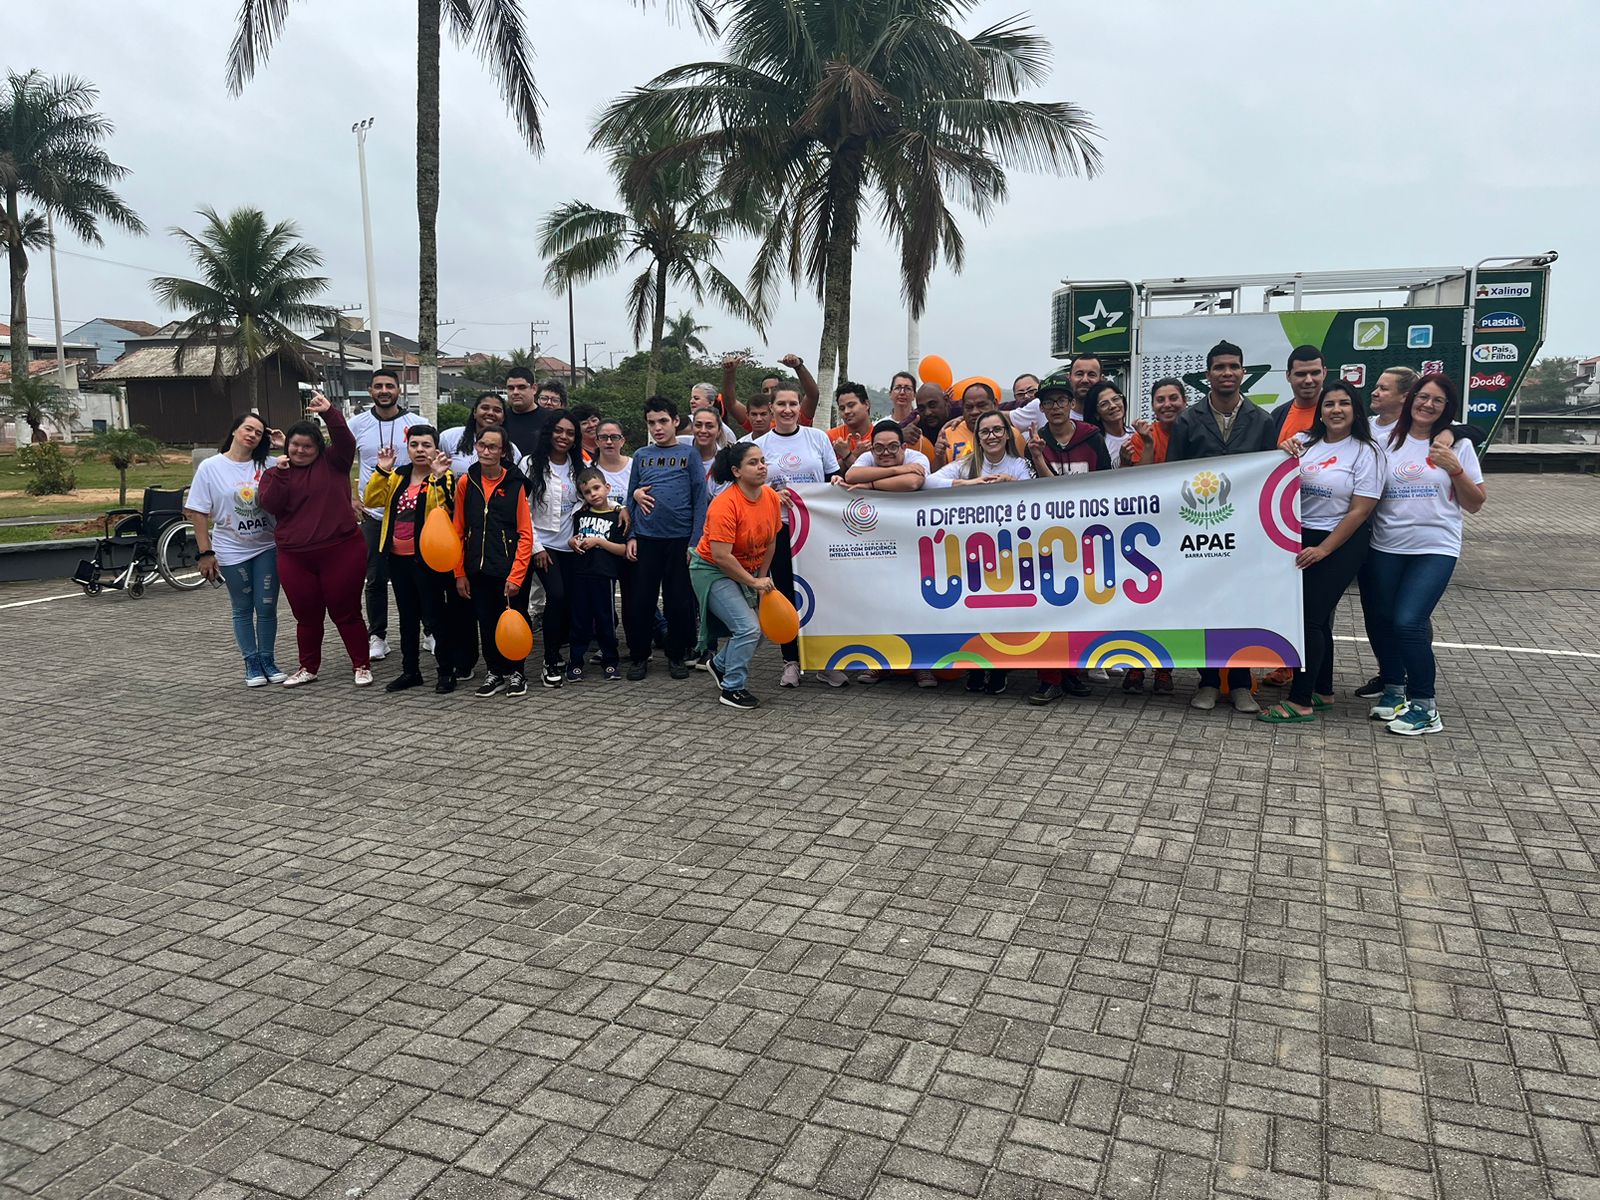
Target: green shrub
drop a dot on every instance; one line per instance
(452, 414)
(48, 466)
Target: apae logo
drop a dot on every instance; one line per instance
(1205, 499)
(1372, 333)
(1502, 291)
(1502, 322)
(1494, 352)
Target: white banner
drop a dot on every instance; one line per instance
(1173, 565)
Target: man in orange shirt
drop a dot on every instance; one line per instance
(851, 439)
(1306, 374)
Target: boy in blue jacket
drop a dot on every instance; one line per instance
(666, 508)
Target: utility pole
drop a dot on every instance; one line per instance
(360, 130)
(343, 394)
(586, 346)
(572, 344)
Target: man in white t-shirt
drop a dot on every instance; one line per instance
(381, 427)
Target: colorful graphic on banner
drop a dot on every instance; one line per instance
(1175, 565)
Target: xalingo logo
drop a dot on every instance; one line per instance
(860, 517)
(1205, 499)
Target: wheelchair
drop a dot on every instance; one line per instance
(149, 543)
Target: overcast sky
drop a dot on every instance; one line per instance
(1239, 136)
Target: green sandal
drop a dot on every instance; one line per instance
(1281, 714)
(1321, 705)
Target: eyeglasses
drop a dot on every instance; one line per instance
(886, 447)
(1055, 398)
(608, 437)
(483, 445)
(992, 433)
(902, 387)
(1030, 392)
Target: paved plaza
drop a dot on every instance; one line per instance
(619, 941)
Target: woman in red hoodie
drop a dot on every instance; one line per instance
(322, 557)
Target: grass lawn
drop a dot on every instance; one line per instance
(12, 535)
(97, 482)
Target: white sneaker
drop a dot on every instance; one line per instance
(302, 676)
(1097, 675)
(363, 677)
(791, 675)
(377, 648)
(427, 643)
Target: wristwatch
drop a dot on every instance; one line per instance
(205, 554)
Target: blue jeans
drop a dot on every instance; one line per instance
(1406, 588)
(253, 589)
(726, 601)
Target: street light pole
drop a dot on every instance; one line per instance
(55, 298)
(360, 130)
(586, 346)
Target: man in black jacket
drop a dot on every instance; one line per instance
(1225, 422)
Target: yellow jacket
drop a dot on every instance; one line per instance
(384, 487)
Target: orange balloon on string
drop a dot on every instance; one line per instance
(512, 636)
(779, 621)
(934, 369)
(440, 544)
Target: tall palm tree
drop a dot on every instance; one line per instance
(672, 222)
(252, 294)
(50, 154)
(827, 105)
(496, 32)
(683, 334)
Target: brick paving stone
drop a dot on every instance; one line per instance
(1169, 956)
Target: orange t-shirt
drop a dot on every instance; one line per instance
(1139, 444)
(750, 526)
(856, 440)
(1297, 420)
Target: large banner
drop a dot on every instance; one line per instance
(1174, 565)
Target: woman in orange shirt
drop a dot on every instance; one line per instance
(1168, 399)
(731, 568)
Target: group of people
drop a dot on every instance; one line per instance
(693, 528)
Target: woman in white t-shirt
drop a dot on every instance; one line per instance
(1106, 408)
(993, 460)
(707, 434)
(234, 538)
(795, 454)
(460, 443)
(1341, 470)
(1416, 540)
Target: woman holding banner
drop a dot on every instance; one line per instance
(1341, 478)
(1416, 541)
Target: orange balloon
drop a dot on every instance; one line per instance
(959, 389)
(934, 369)
(441, 546)
(779, 621)
(512, 636)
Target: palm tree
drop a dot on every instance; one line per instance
(32, 401)
(683, 335)
(827, 104)
(50, 154)
(252, 293)
(496, 32)
(672, 222)
(122, 448)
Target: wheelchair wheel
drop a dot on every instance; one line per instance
(136, 586)
(178, 558)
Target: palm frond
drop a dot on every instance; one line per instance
(260, 23)
(497, 34)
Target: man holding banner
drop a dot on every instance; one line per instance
(1224, 423)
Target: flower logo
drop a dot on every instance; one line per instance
(1205, 499)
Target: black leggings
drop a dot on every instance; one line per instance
(488, 602)
(661, 569)
(419, 597)
(1322, 584)
(556, 579)
(783, 577)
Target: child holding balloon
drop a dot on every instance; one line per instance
(731, 569)
(495, 526)
(408, 497)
